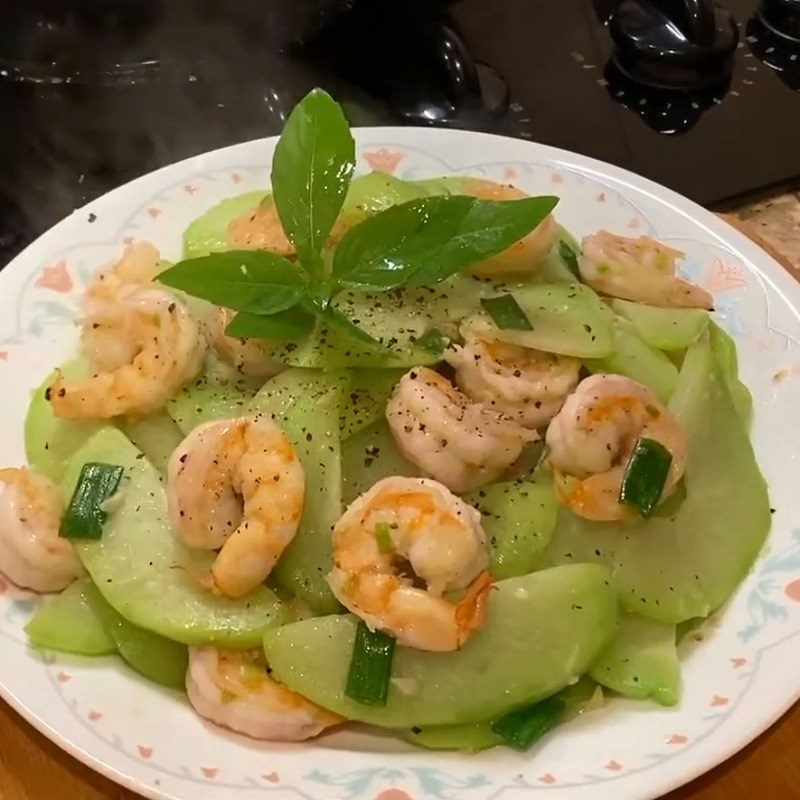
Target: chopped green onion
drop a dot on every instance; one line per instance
(383, 534)
(370, 666)
(506, 313)
(645, 476)
(84, 516)
(521, 728)
(569, 257)
(432, 342)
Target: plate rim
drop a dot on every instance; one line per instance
(776, 277)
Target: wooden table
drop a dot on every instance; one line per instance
(32, 768)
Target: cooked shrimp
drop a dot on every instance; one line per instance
(401, 532)
(234, 689)
(453, 440)
(526, 255)
(141, 341)
(248, 356)
(31, 552)
(593, 436)
(527, 385)
(236, 484)
(260, 229)
(642, 270)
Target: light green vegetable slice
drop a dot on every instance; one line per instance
(50, 440)
(476, 736)
(518, 518)
(365, 399)
(445, 184)
(209, 232)
(376, 191)
(219, 392)
(396, 319)
(161, 660)
(725, 353)
(306, 404)
(685, 564)
(369, 456)
(69, 624)
(146, 574)
(156, 435)
(632, 356)
(471, 737)
(569, 319)
(541, 632)
(555, 268)
(368, 194)
(664, 328)
(641, 661)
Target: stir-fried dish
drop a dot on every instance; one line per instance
(397, 452)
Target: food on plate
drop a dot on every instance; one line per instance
(420, 523)
(523, 383)
(236, 486)
(32, 553)
(387, 451)
(597, 440)
(233, 688)
(141, 341)
(641, 269)
(457, 442)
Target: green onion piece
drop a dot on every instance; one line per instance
(569, 257)
(432, 342)
(645, 476)
(383, 534)
(521, 728)
(506, 313)
(370, 666)
(84, 516)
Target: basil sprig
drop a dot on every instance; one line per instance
(311, 172)
(254, 281)
(424, 241)
(417, 243)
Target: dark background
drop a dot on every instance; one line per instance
(93, 94)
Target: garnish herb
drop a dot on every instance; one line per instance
(254, 281)
(417, 243)
(521, 728)
(569, 257)
(84, 516)
(290, 324)
(311, 172)
(506, 313)
(383, 535)
(370, 666)
(424, 241)
(645, 476)
(432, 342)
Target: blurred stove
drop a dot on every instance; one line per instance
(96, 92)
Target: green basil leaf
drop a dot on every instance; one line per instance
(244, 280)
(506, 313)
(424, 241)
(432, 342)
(291, 324)
(569, 257)
(311, 171)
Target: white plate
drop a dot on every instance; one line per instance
(737, 681)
